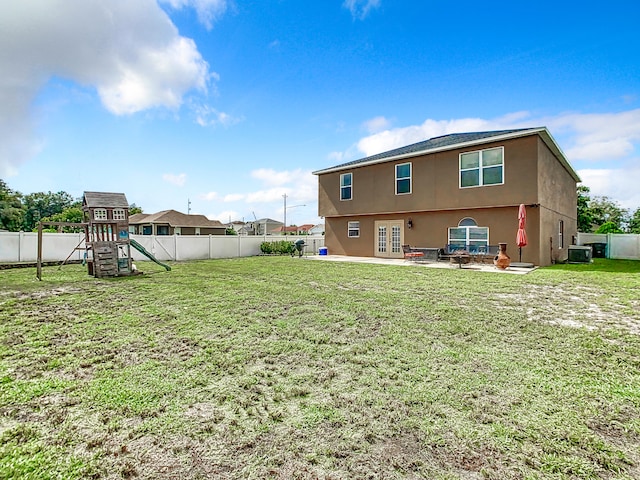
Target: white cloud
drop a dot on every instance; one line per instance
(619, 184)
(209, 196)
(207, 116)
(399, 137)
(178, 180)
(224, 217)
(273, 177)
(360, 8)
(233, 197)
(599, 136)
(606, 136)
(376, 124)
(129, 51)
(208, 10)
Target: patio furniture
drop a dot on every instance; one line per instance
(411, 254)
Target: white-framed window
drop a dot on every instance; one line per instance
(346, 186)
(482, 167)
(100, 214)
(561, 234)
(468, 236)
(119, 214)
(403, 178)
(353, 229)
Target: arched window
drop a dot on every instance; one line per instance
(468, 236)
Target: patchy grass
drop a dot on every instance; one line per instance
(286, 368)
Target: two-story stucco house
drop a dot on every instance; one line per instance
(461, 189)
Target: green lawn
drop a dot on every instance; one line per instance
(275, 367)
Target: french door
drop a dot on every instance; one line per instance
(388, 238)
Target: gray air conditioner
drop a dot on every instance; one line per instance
(579, 254)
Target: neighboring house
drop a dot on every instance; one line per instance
(305, 229)
(459, 189)
(265, 226)
(172, 222)
(239, 227)
(290, 230)
(317, 229)
(245, 230)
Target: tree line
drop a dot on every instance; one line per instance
(601, 214)
(23, 212)
(598, 214)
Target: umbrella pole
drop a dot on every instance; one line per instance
(520, 254)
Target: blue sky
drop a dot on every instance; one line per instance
(230, 104)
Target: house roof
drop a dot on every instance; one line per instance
(267, 220)
(291, 228)
(104, 199)
(454, 141)
(174, 219)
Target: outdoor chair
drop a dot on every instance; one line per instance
(410, 254)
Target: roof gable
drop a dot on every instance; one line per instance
(104, 200)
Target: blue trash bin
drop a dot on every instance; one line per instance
(323, 251)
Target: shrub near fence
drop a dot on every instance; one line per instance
(282, 247)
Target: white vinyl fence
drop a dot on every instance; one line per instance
(620, 246)
(23, 246)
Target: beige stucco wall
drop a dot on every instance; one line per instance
(532, 176)
(558, 201)
(430, 230)
(435, 183)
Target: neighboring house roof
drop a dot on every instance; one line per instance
(104, 199)
(453, 141)
(305, 228)
(281, 228)
(175, 219)
(267, 220)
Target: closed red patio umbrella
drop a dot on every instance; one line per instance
(521, 236)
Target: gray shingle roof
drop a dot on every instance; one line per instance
(104, 199)
(436, 143)
(175, 219)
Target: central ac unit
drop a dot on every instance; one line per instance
(579, 254)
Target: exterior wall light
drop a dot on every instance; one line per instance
(409, 224)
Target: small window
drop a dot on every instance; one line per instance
(353, 229)
(403, 179)
(484, 167)
(119, 214)
(162, 229)
(100, 214)
(346, 183)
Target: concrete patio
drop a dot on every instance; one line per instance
(519, 269)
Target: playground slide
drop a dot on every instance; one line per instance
(147, 254)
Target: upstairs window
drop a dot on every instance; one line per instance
(119, 214)
(100, 214)
(483, 167)
(346, 183)
(403, 179)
